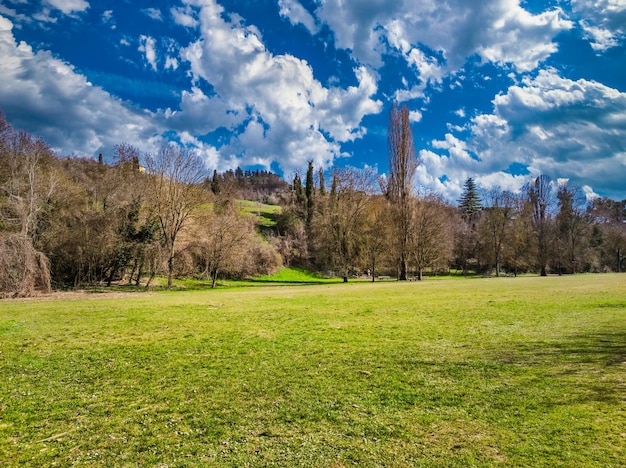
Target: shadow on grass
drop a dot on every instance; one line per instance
(592, 362)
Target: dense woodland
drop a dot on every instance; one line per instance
(72, 222)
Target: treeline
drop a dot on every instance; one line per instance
(368, 225)
(69, 222)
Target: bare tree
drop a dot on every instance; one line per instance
(376, 234)
(402, 167)
(341, 230)
(222, 241)
(26, 186)
(541, 200)
(495, 223)
(176, 174)
(431, 237)
(573, 226)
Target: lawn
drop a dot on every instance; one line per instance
(484, 372)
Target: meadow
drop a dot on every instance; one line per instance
(479, 372)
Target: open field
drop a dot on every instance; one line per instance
(485, 372)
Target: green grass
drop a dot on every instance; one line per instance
(295, 276)
(266, 213)
(493, 372)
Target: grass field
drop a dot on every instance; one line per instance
(484, 372)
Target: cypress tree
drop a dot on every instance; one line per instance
(309, 192)
(322, 182)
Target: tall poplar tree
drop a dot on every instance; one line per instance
(402, 167)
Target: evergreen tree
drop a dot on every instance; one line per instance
(309, 192)
(215, 183)
(300, 195)
(322, 182)
(333, 186)
(470, 202)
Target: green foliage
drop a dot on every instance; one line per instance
(507, 372)
(469, 203)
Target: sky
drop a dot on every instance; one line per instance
(501, 90)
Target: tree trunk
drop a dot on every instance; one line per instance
(403, 269)
(170, 268)
(150, 279)
(214, 279)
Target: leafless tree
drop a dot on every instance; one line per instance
(573, 225)
(175, 177)
(402, 167)
(495, 223)
(431, 239)
(541, 200)
(26, 185)
(342, 229)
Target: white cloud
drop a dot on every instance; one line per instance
(415, 116)
(500, 31)
(69, 7)
(287, 115)
(147, 46)
(604, 21)
(184, 16)
(171, 63)
(297, 14)
(153, 13)
(72, 115)
(550, 125)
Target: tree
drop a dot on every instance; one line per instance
(27, 184)
(175, 175)
(470, 202)
(494, 225)
(518, 251)
(610, 229)
(342, 228)
(573, 227)
(402, 167)
(221, 242)
(376, 234)
(322, 182)
(541, 200)
(215, 183)
(310, 194)
(430, 239)
(467, 240)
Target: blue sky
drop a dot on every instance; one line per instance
(500, 91)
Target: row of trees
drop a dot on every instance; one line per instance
(369, 224)
(67, 222)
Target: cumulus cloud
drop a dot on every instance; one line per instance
(604, 21)
(297, 14)
(286, 114)
(500, 31)
(69, 7)
(72, 115)
(549, 125)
